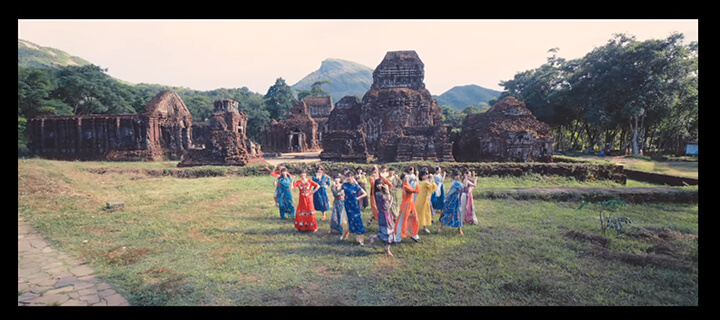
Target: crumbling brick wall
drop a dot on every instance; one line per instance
(162, 131)
(507, 132)
(297, 133)
(222, 140)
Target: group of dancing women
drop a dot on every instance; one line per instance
(422, 197)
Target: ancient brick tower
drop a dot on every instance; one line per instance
(345, 140)
(506, 132)
(400, 119)
(297, 133)
(222, 139)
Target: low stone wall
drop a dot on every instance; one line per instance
(581, 171)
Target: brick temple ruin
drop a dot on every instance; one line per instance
(319, 109)
(398, 117)
(345, 140)
(222, 140)
(163, 131)
(297, 133)
(507, 132)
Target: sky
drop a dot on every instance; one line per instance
(213, 54)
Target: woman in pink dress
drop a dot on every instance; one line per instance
(305, 212)
(467, 205)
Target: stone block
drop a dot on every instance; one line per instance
(114, 205)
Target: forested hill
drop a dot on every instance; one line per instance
(460, 97)
(31, 55)
(345, 78)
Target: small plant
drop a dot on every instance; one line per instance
(607, 221)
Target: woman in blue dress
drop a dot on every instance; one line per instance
(352, 207)
(438, 197)
(320, 198)
(338, 217)
(451, 215)
(285, 202)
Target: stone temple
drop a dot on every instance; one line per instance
(507, 132)
(222, 140)
(297, 133)
(398, 116)
(319, 109)
(164, 130)
(345, 140)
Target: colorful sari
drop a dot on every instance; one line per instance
(284, 197)
(451, 215)
(386, 222)
(467, 204)
(407, 220)
(438, 197)
(338, 217)
(423, 206)
(352, 208)
(275, 175)
(305, 213)
(320, 198)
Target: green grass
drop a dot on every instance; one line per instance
(683, 169)
(676, 166)
(219, 241)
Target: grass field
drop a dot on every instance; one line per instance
(218, 241)
(682, 166)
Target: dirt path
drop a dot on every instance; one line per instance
(294, 157)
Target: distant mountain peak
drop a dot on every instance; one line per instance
(459, 97)
(346, 78)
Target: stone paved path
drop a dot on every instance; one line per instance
(50, 278)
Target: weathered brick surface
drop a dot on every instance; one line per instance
(222, 140)
(297, 133)
(398, 117)
(163, 130)
(508, 132)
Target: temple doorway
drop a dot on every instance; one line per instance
(295, 139)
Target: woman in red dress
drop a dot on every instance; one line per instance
(305, 212)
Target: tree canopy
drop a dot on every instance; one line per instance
(645, 92)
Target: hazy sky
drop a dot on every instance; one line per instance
(212, 54)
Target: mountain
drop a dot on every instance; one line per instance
(460, 97)
(346, 78)
(31, 55)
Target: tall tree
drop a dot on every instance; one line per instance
(87, 89)
(278, 100)
(316, 90)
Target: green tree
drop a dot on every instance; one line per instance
(200, 106)
(278, 100)
(87, 89)
(452, 117)
(35, 87)
(316, 90)
(473, 109)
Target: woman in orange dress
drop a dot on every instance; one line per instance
(305, 212)
(407, 224)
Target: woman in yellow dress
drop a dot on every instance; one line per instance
(426, 187)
